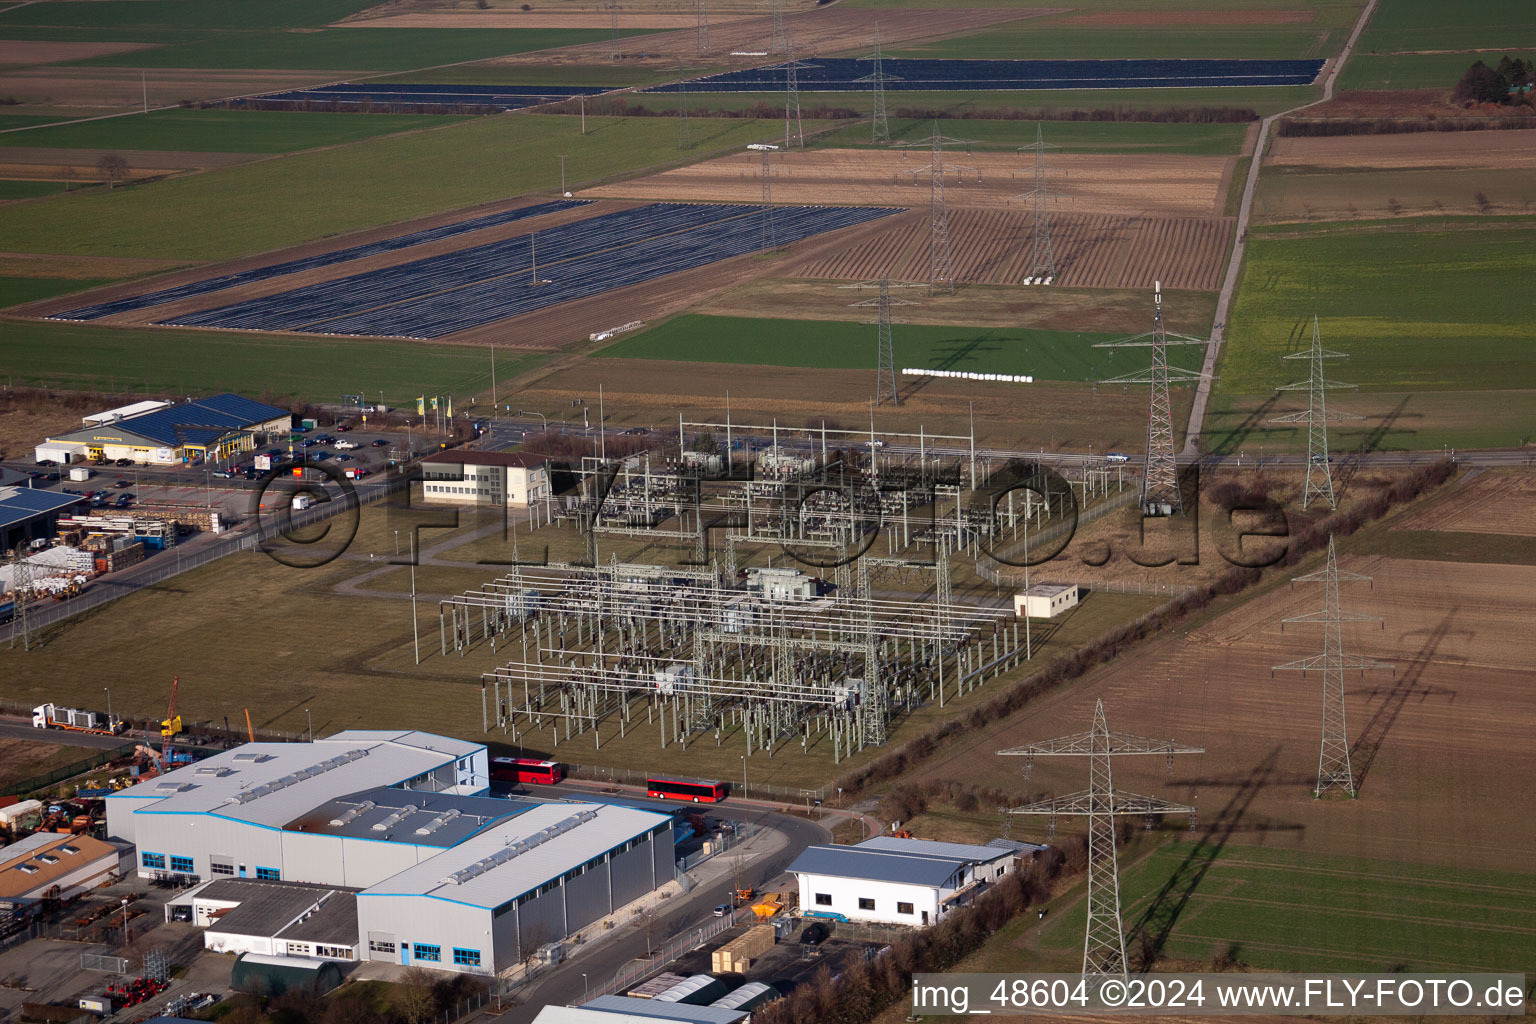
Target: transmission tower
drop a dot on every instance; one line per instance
(21, 589)
(768, 239)
(613, 22)
(778, 42)
(1104, 940)
(1042, 261)
(702, 46)
(879, 128)
(684, 134)
(791, 69)
(941, 275)
(1333, 768)
(885, 354)
(1319, 482)
(1160, 495)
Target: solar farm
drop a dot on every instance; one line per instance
(846, 74)
(414, 97)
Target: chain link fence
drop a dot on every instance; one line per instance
(754, 791)
(69, 771)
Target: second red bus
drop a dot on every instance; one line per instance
(526, 769)
(696, 790)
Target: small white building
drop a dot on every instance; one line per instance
(780, 584)
(1045, 600)
(896, 881)
(242, 915)
(466, 477)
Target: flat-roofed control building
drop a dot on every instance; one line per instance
(1045, 600)
(467, 477)
(896, 881)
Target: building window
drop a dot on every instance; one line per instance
(269, 874)
(181, 865)
(823, 899)
(866, 904)
(153, 860)
(217, 868)
(298, 949)
(432, 953)
(375, 946)
(336, 952)
(466, 957)
(903, 908)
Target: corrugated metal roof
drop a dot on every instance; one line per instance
(407, 816)
(592, 829)
(267, 909)
(200, 422)
(272, 784)
(651, 1009)
(462, 457)
(122, 412)
(246, 410)
(931, 848)
(877, 865)
(19, 504)
(1014, 846)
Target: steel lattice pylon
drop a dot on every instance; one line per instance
(684, 134)
(1104, 938)
(701, 45)
(768, 239)
(1334, 770)
(613, 20)
(1160, 492)
(879, 127)
(1042, 260)
(21, 589)
(940, 268)
(1319, 482)
(885, 353)
(791, 69)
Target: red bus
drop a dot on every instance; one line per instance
(526, 769)
(697, 790)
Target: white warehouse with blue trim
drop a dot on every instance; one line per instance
(442, 875)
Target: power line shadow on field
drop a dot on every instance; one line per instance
(1370, 443)
(1363, 754)
(958, 352)
(1240, 433)
(1155, 925)
(294, 708)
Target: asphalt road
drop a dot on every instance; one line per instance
(21, 729)
(565, 986)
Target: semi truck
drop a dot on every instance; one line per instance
(52, 716)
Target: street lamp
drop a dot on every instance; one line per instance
(108, 691)
(310, 718)
(743, 776)
(586, 992)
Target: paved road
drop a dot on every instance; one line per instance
(565, 985)
(1229, 284)
(21, 729)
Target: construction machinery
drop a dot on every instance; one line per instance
(54, 716)
(170, 726)
(768, 906)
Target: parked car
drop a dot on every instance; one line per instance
(343, 458)
(124, 500)
(46, 462)
(319, 456)
(274, 453)
(342, 428)
(379, 442)
(346, 445)
(815, 935)
(123, 483)
(125, 462)
(1116, 457)
(223, 474)
(722, 909)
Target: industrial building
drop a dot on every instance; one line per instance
(485, 478)
(626, 1010)
(49, 866)
(27, 514)
(399, 852)
(210, 428)
(898, 881)
(1045, 600)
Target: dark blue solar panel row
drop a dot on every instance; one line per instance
(325, 259)
(505, 97)
(839, 74)
(496, 282)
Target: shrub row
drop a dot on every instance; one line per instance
(1315, 127)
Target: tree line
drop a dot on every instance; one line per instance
(1509, 82)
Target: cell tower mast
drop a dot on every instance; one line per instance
(1101, 803)
(885, 354)
(1160, 494)
(1319, 482)
(1333, 768)
(941, 275)
(879, 127)
(1042, 260)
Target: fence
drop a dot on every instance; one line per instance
(69, 771)
(691, 938)
(163, 567)
(744, 831)
(1015, 578)
(754, 791)
(105, 964)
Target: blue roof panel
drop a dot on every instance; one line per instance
(247, 410)
(24, 503)
(877, 865)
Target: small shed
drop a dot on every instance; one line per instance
(1045, 600)
(749, 997)
(697, 990)
(274, 975)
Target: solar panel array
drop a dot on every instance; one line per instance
(446, 97)
(325, 259)
(840, 74)
(441, 295)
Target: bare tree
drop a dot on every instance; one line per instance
(413, 998)
(68, 174)
(113, 167)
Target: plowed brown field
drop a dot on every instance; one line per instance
(1147, 185)
(996, 247)
(1496, 149)
(1495, 502)
(1440, 746)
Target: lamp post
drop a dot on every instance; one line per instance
(586, 992)
(310, 719)
(108, 691)
(743, 776)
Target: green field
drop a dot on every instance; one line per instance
(1071, 136)
(1039, 40)
(1423, 310)
(226, 131)
(186, 362)
(1400, 25)
(1292, 911)
(274, 203)
(1003, 104)
(29, 189)
(16, 290)
(835, 345)
(1417, 70)
(355, 49)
